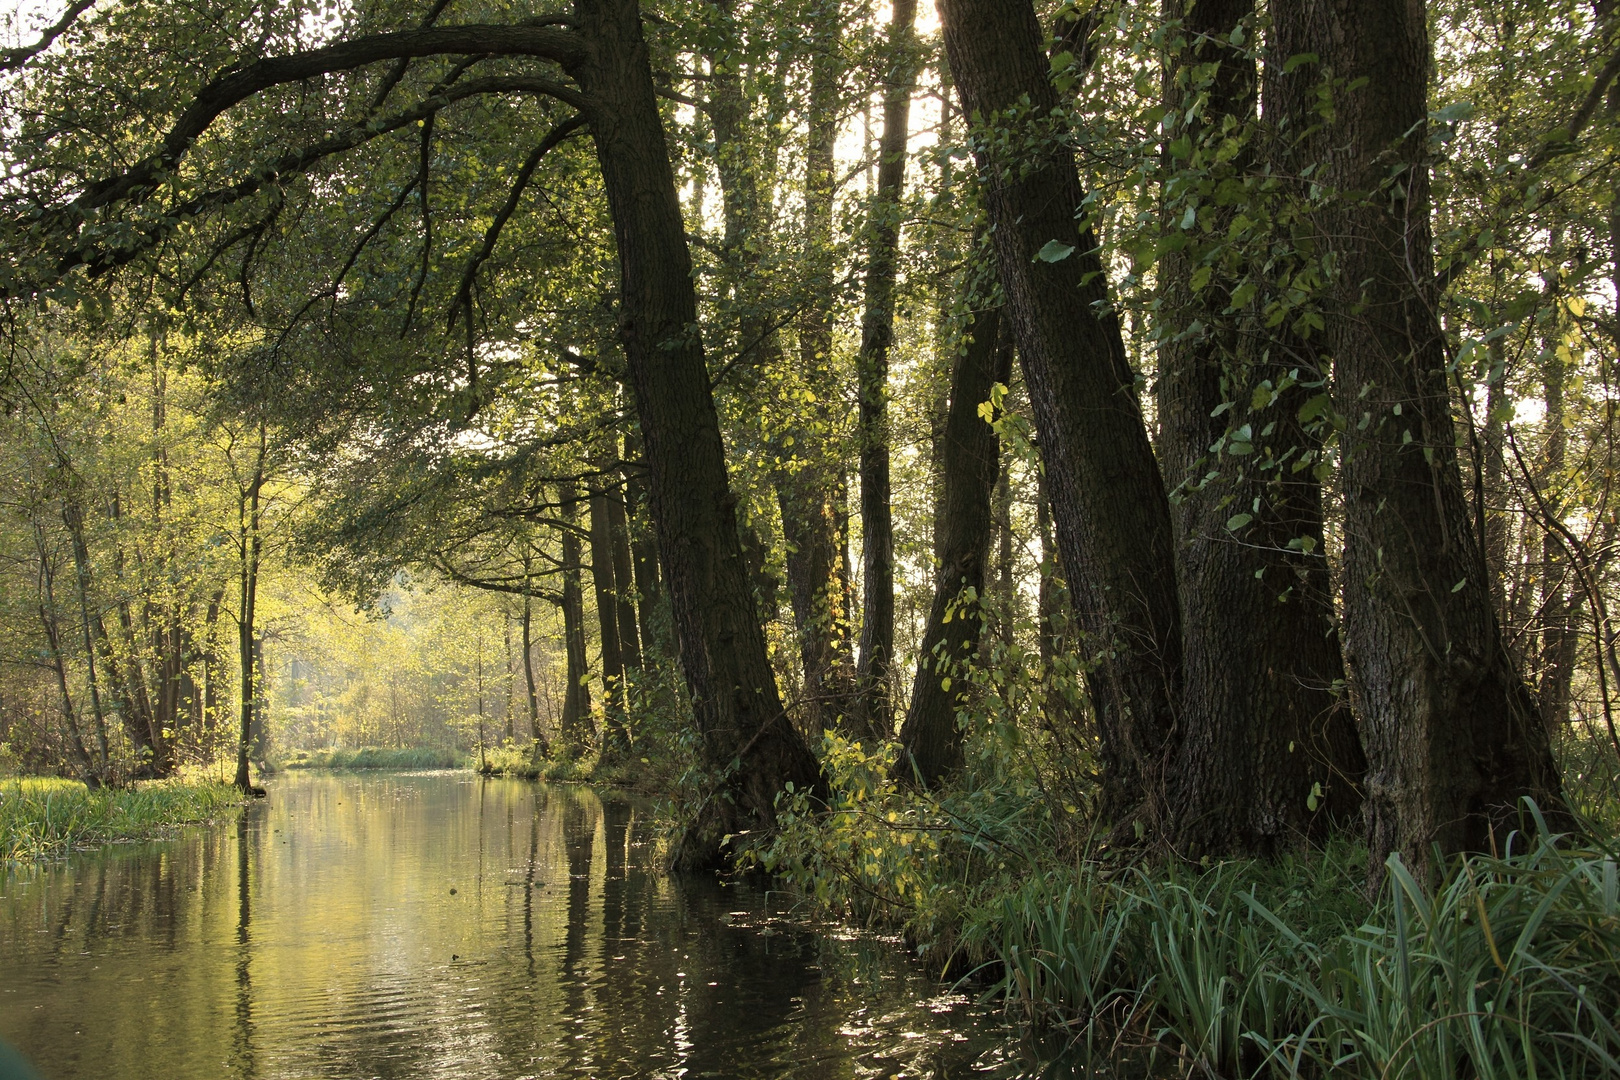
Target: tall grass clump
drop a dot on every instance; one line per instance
(43, 817)
(377, 757)
(1506, 967)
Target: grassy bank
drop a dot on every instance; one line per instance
(656, 774)
(45, 817)
(1507, 967)
(376, 757)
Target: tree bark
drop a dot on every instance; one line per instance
(1451, 732)
(576, 726)
(736, 707)
(643, 553)
(1108, 503)
(969, 455)
(624, 587)
(872, 672)
(615, 736)
(249, 547)
(1269, 756)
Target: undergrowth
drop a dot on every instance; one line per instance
(46, 817)
(1507, 967)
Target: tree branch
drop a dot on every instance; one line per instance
(12, 59)
(294, 163)
(235, 86)
(492, 235)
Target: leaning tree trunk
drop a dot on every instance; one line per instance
(1269, 756)
(1108, 501)
(748, 747)
(1451, 732)
(969, 463)
(872, 672)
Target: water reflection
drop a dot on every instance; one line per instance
(442, 925)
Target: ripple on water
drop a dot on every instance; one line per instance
(434, 926)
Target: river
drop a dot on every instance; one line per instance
(445, 925)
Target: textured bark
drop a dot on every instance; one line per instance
(615, 734)
(736, 707)
(1269, 756)
(1113, 522)
(969, 454)
(1450, 730)
(872, 672)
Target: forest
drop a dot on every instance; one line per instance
(1116, 492)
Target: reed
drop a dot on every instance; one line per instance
(1506, 967)
(45, 817)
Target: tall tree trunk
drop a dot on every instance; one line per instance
(208, 720)
(809, 479)
(1001, 512)
(511, 681)
(248, 549)
(89, 771)
(872, 377)
(643, 553)
(1556, 667)
(1108, 502)
(73, 518)
(615, 735)
(1494, 480)
(575, 729)
(1269, 756)
(969, 455)
(1450, 730)
(528, 656)
(736, 706)
(624, 588)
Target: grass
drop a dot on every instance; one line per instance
(655, 774)
(45, 817)
(1508, 966)
(376, 757)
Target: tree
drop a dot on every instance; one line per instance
(1450, 729)
(1113, 524)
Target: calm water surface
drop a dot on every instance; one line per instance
(441, 925)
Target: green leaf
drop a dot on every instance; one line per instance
(1237, 521)
(1054, 251)
(1313, 408)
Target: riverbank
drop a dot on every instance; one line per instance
(47, 817)
(376, 757)
(1508, 966)
(657, 774)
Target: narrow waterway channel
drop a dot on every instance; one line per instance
(443, 925)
